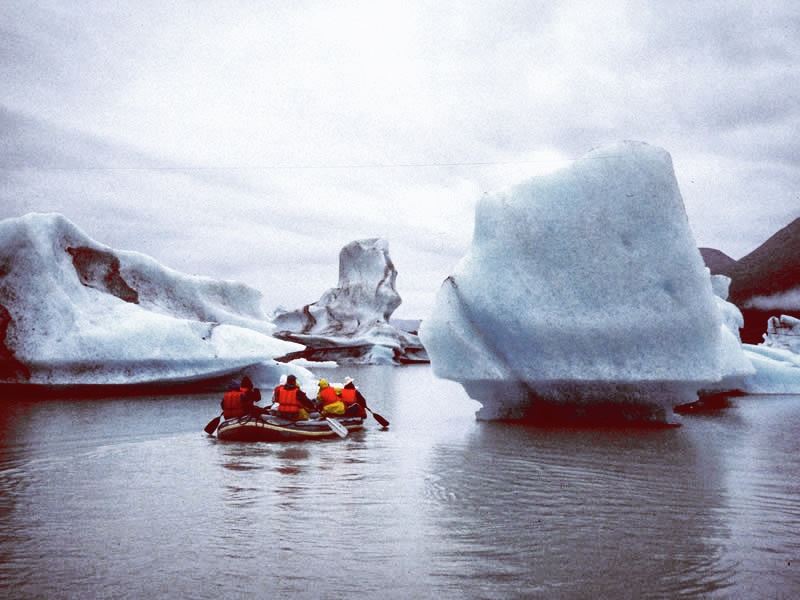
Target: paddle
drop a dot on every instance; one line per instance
(337, 427)
(363, 402)
(212, 425)
(383, 422)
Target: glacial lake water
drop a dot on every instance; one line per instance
(128, 498)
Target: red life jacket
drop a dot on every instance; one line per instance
(328, 396)
(288, 402)
(348, 396)
(233, 405)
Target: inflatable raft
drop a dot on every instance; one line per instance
(270, 428)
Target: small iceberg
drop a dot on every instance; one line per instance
(349, 324)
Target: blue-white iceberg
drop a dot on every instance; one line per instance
(75, 312)
(584, 287)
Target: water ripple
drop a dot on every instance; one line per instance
(438, 506)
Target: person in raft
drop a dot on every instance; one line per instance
(355, 405)
(292, 401)
(241, 402)
(328, 401)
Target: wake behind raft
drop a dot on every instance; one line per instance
(271, 428)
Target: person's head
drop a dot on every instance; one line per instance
(247, 383)
(323, 383)
(291, 380)
(348, 382)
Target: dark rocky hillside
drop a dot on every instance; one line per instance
(772, 268)
(716, 260)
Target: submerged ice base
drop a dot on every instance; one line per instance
(580, 402)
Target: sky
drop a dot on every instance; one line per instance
(252, 140)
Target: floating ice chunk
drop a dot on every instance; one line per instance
(310, 364)
(583, 286)
(267, 375)
(78, 312)
(777, 370)
(350, 323)
(777, 360)
(783, 332)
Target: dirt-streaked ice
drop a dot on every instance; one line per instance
(78, 312)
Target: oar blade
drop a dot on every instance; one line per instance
(337, 427)
(212, 425)
(381, 421)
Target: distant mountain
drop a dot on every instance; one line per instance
(770, 269)
(716, 260)
(764, 283)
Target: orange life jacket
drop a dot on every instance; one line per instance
(288, 402)
(233, 405)
(328, 396)
(348, 396)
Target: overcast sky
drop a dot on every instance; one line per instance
(252, 140)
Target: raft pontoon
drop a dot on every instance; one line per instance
(271, 428)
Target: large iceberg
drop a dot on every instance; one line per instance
(349, 324)
(582, 288)
(76, 312)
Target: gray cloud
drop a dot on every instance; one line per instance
(171, 127)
